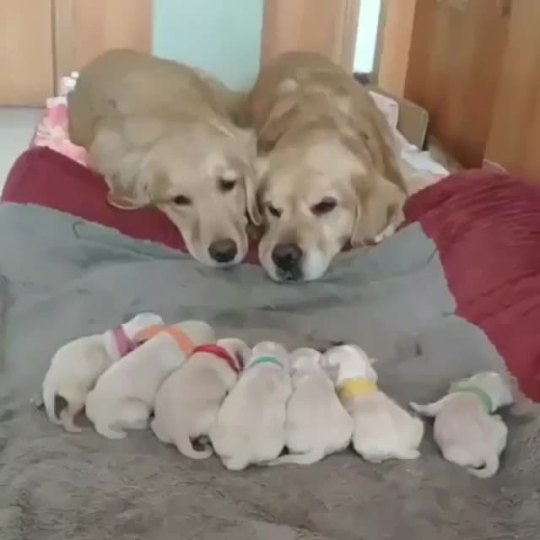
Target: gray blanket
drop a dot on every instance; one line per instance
(62, 278)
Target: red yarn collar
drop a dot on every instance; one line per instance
(234, 363)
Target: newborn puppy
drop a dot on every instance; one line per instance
(317, 424)
(382, 429)
(77, 365)
(465, 429)
(188, 401)
(124, 396)
(250, 426)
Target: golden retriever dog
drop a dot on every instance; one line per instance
(328, 172)
(162, 134)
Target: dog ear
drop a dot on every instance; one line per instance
(126, 199)
(238, 348)
(249, 144)
(252, 206)
(379, 204)
(276, 124)
(140, 190)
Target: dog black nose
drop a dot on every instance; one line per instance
(287, 257)
(223, 251)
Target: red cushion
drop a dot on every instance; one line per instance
(44, 177)
(487, 229)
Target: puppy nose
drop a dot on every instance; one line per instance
(223, 251)
(286, 256)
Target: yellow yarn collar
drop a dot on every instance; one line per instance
(352, 388)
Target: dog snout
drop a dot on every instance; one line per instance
(223, 251)
(287, 257)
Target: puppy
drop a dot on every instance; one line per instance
(465, 429)
(250, 426)
(317, 424)
(124, 396)
(162, 135)
(189, 400)
(328, 172)
(77, 365)
(382, 429)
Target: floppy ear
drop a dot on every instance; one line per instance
(250, 187)
(136, 184)
(126, 199)
(130, 182)
(280, 117)
(379, 204)
(248, 141)
(238, 348)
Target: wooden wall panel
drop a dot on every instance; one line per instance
(514, 141)
(394, 42)
(456, 57)
(26, 58)
(325, 26)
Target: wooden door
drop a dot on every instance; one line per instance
(514, 139)
(455, 61)
(325, 26)
(26, 52)
(86, 28)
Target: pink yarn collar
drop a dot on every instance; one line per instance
(123, 342)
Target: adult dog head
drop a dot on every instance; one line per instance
(162, 135)
(328, 174)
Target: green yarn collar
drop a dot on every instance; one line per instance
(475, 391)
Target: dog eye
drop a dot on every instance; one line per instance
(182, 200)
(324, 207)
(226, 185)
(273, 210)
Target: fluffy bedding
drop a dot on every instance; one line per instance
(456, 291)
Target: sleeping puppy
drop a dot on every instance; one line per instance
(317, 424)
(250, 426)
(77, 365)
(188, 401)
(124, 395)
(162, 135)
(328, 171)
(382, 429)
(465, 429)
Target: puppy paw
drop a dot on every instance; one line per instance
(109, 433)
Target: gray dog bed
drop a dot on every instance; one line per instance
(62, 278)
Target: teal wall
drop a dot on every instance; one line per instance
(222, 37)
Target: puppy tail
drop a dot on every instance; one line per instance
(54, 403)
(61, 410)
(185, 447)
(430, 409)
(298, 459)
(491, 466)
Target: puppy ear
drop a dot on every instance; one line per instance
(238, 348)
(379, 205)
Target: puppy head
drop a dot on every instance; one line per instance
(198, 332)
(271, 349)
(237, 348)
(140, 322)
(348, 362)
(304, 360)
(494, 385)
(315, 199)
(199, 174)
